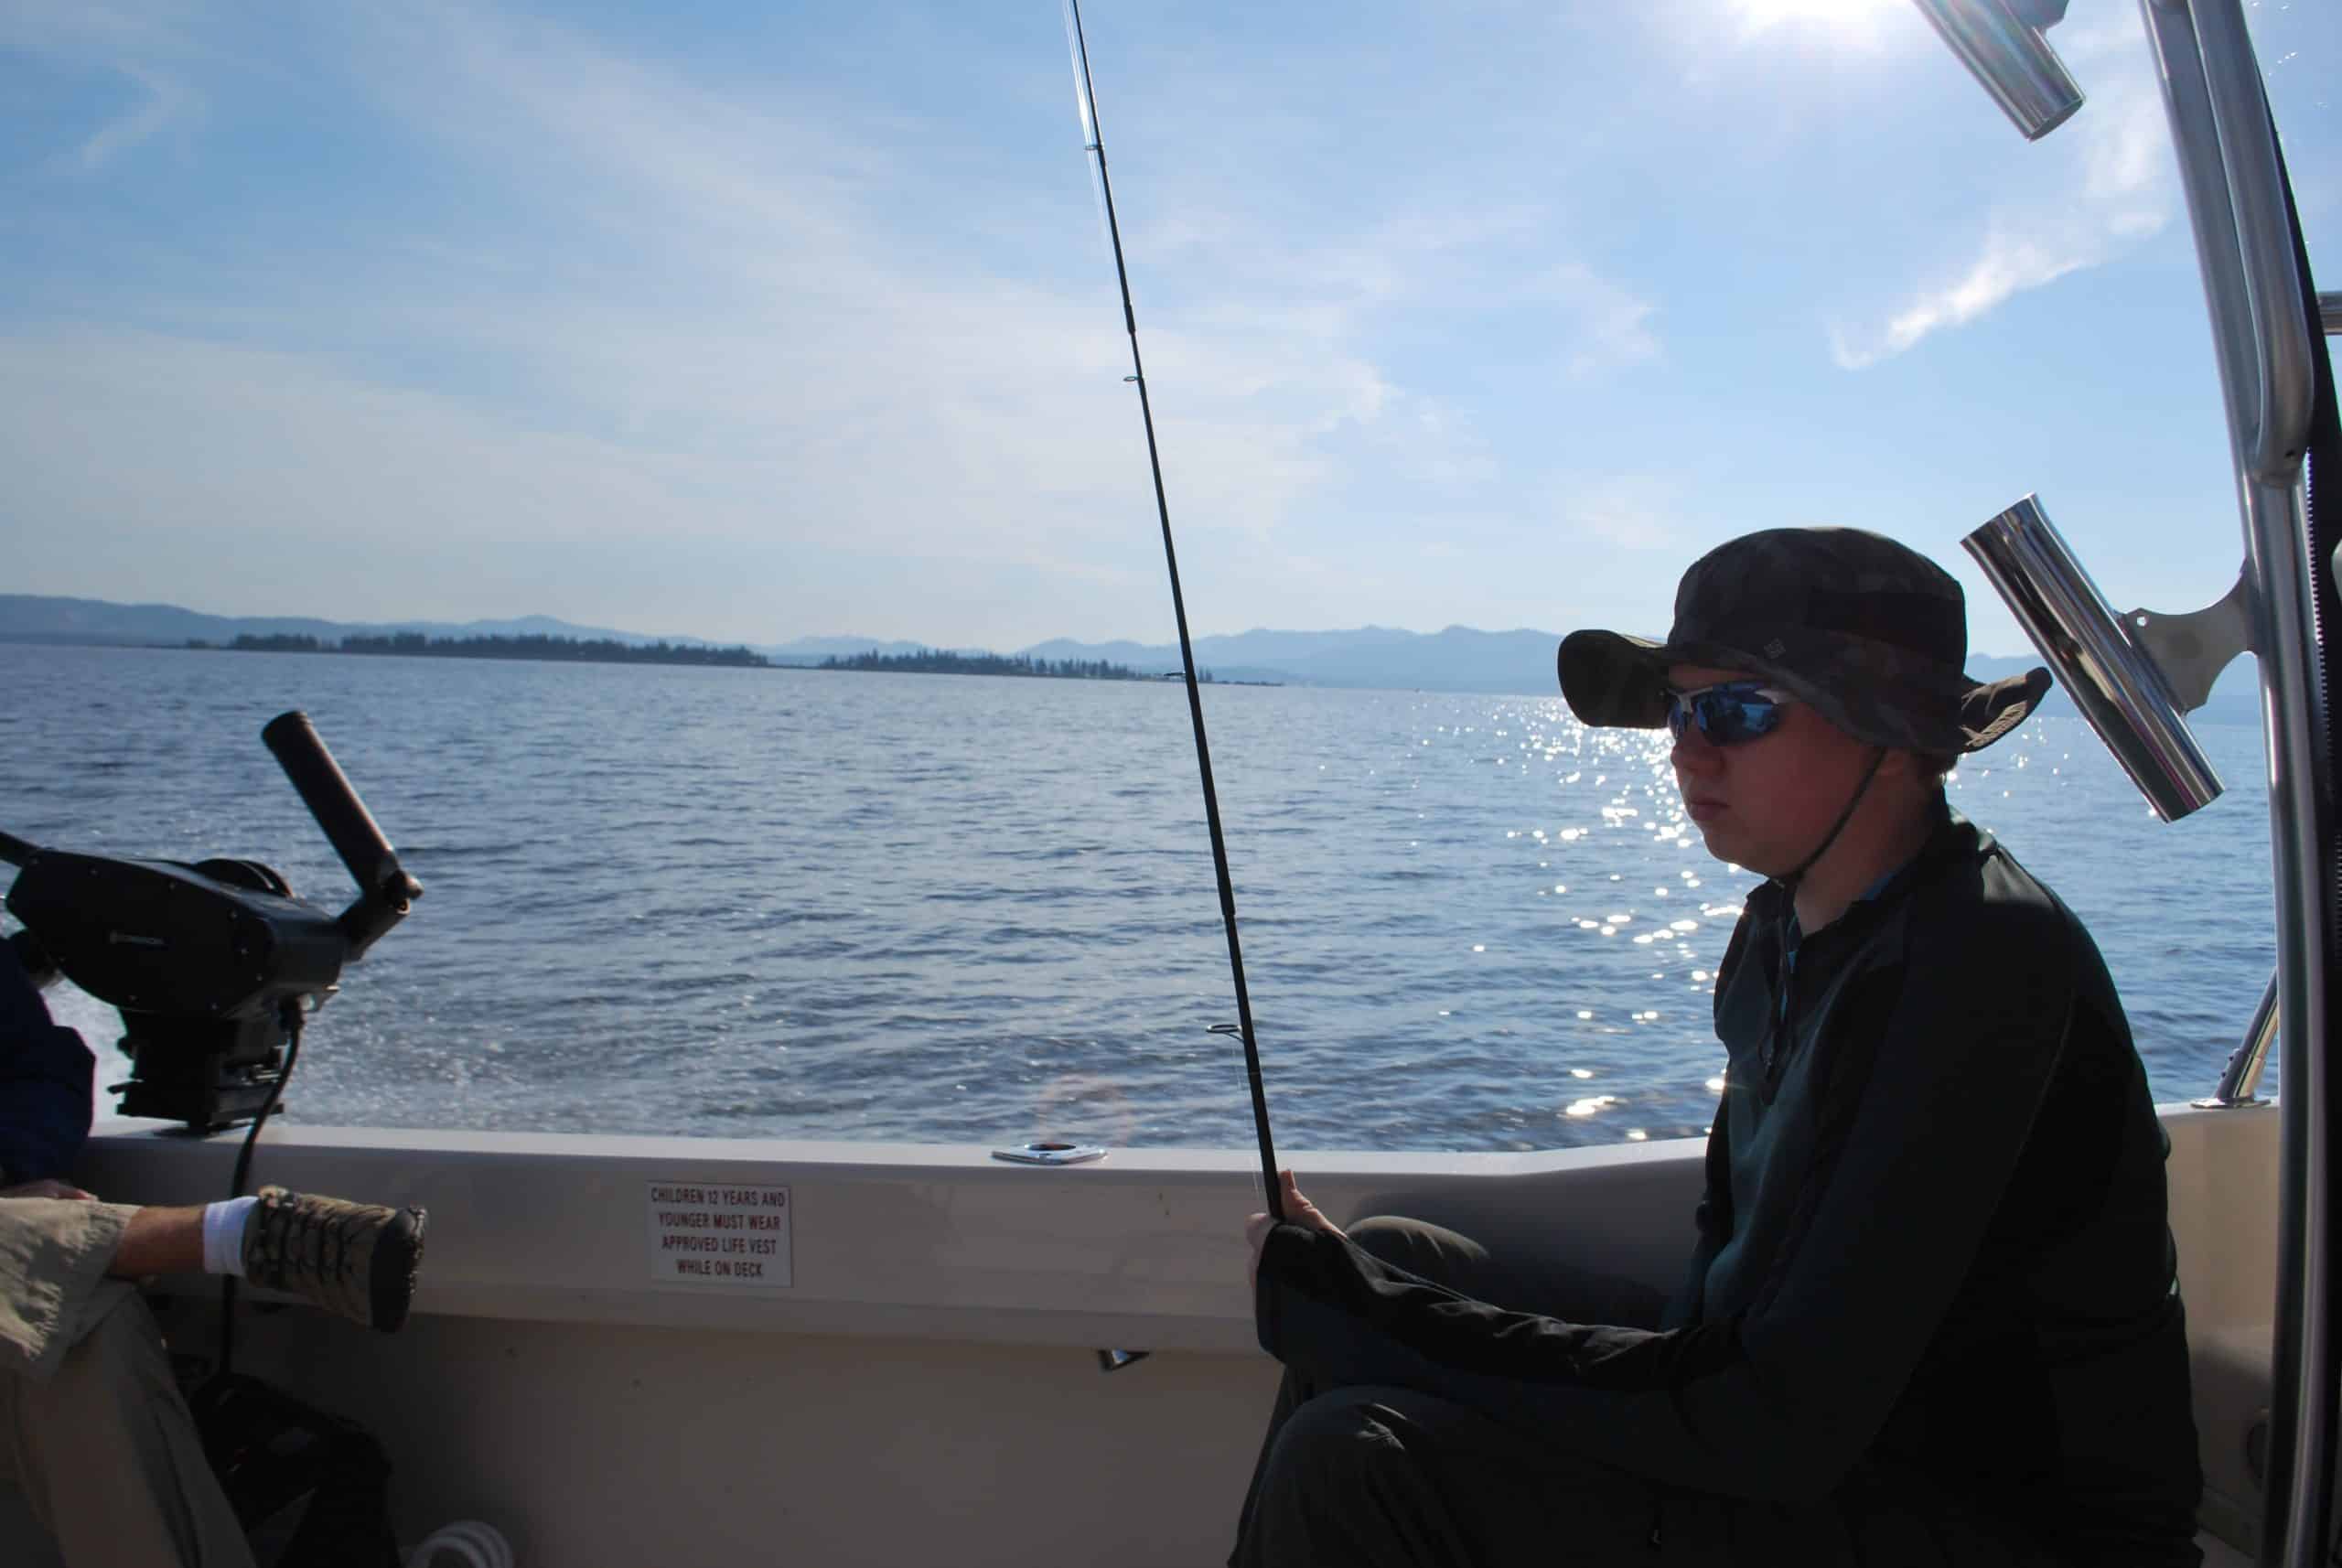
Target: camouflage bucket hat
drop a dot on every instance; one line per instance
(1870, 633)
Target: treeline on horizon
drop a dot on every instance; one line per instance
(936, 661)
(536, 645)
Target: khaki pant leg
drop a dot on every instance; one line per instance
(54, 1253)
(106, 1454)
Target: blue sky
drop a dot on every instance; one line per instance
(760, 322)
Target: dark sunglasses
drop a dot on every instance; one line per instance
(1728, 713)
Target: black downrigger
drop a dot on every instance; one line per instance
(210, 964)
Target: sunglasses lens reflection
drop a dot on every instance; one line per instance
(1726, 714)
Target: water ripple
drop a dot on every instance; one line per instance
(895, 906)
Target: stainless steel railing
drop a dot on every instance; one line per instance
(2241, 1076)
(2229, 165)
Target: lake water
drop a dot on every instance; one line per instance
(965, 910)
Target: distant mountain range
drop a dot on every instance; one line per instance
(1456, 660)
(35, 617)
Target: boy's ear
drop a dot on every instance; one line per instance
(1899, 762)
(1920, 768)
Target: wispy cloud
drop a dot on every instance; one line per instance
(1623, 512)
(165, 101)
(1608, 326)
(712, 316)
(2009, 264)
(2110, 187)
(707, 319)
(826, 323)
(797, 321)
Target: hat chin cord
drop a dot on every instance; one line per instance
(1791, 879)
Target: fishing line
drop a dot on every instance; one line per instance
(1094, 142)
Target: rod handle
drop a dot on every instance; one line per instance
(327, 792)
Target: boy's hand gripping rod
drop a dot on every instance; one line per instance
(1094, 141)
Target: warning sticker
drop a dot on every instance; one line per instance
(711, 1235)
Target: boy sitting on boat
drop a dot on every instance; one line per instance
(1932, 1314)
(93, 1430)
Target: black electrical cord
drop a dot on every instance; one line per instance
(292, 1020)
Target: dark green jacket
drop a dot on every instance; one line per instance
(1933, 1261)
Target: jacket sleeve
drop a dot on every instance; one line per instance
(45, 1082)
(1712, 1220)
(1778, 1401)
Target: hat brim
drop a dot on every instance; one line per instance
(1990, 709)
(1616, 681)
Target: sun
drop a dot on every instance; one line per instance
(1851, 20)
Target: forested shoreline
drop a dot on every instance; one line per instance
(554, 649)
(609, 651)
(936, 661)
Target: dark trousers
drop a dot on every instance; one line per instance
(1390, 1478)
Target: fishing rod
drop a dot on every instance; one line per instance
(1094, 143)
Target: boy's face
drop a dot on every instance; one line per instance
(1765, 803)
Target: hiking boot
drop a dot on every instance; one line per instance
(356, 1258)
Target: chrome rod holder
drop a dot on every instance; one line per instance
(2192, 649)
(2241, 1077)
(2003, 50)
(2111, 675)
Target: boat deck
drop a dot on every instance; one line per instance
(937, 1398)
